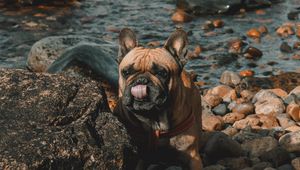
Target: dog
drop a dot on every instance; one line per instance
(158, 102)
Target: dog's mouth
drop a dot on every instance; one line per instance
(139, 92)
(144, 98)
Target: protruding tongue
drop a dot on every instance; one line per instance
(139, 91)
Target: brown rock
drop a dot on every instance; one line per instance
(251, 120)
(293, 128)
(298, 32)
(246, 73)
(233, 117)
(259, 146)
(279, 92)
(296, 163)
(244, 108)
(293, 110)
(252, 53)
(296, 57)
(285, 121)
(263, 29)
(253, 33)
(247, 95)
(181, 16)
(296, 90)
(235, 46)
(227, 93)
(212, 100)
(211, 122)
(55, 121)
(296, 45)
(268, 121)
(218, 23)
(260, 12)
(230, 131)
(285, 31)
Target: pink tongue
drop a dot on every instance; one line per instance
(139, 91)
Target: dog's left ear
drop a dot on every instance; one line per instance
(177, 45)
(127, 41)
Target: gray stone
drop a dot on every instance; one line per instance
(46, 50)
(235, 163)
(277, 156)
(259, 146)
(291, 141)
(220, 146)
(230, 78)
(220, 110)
(214, 167)
(285, 167)
(57, 122)
(266, 102)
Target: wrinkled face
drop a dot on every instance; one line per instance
(146, 77)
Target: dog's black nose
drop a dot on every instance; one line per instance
(142, 80)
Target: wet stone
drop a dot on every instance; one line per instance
(293, 128)
(252, 53)
(235, 46)
(263, 29)
(181, 16)
(246, 73)
(293, 15)
(285, 31)
(253, 33)
(296, 45)
(218, 23)
(286, 48)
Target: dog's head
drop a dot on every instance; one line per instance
(147, 76)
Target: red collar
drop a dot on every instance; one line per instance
(182, 127)
(155, 135)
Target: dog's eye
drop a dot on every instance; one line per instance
(126, 73)
(162, 73)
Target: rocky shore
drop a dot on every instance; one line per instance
(61, 122)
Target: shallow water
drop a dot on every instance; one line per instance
(20, 28)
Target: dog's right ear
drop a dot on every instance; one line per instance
(127, 41)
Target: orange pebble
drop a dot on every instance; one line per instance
(246, 73)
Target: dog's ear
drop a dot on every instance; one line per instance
(176, 44)
(127, 41)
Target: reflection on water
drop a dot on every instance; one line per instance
(20, 28)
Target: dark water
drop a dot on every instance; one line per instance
(21, 27)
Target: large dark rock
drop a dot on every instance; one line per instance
(58, 122)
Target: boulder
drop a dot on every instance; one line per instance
(291, 141)
(58, 122)
(259, 146)
(46, 50)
